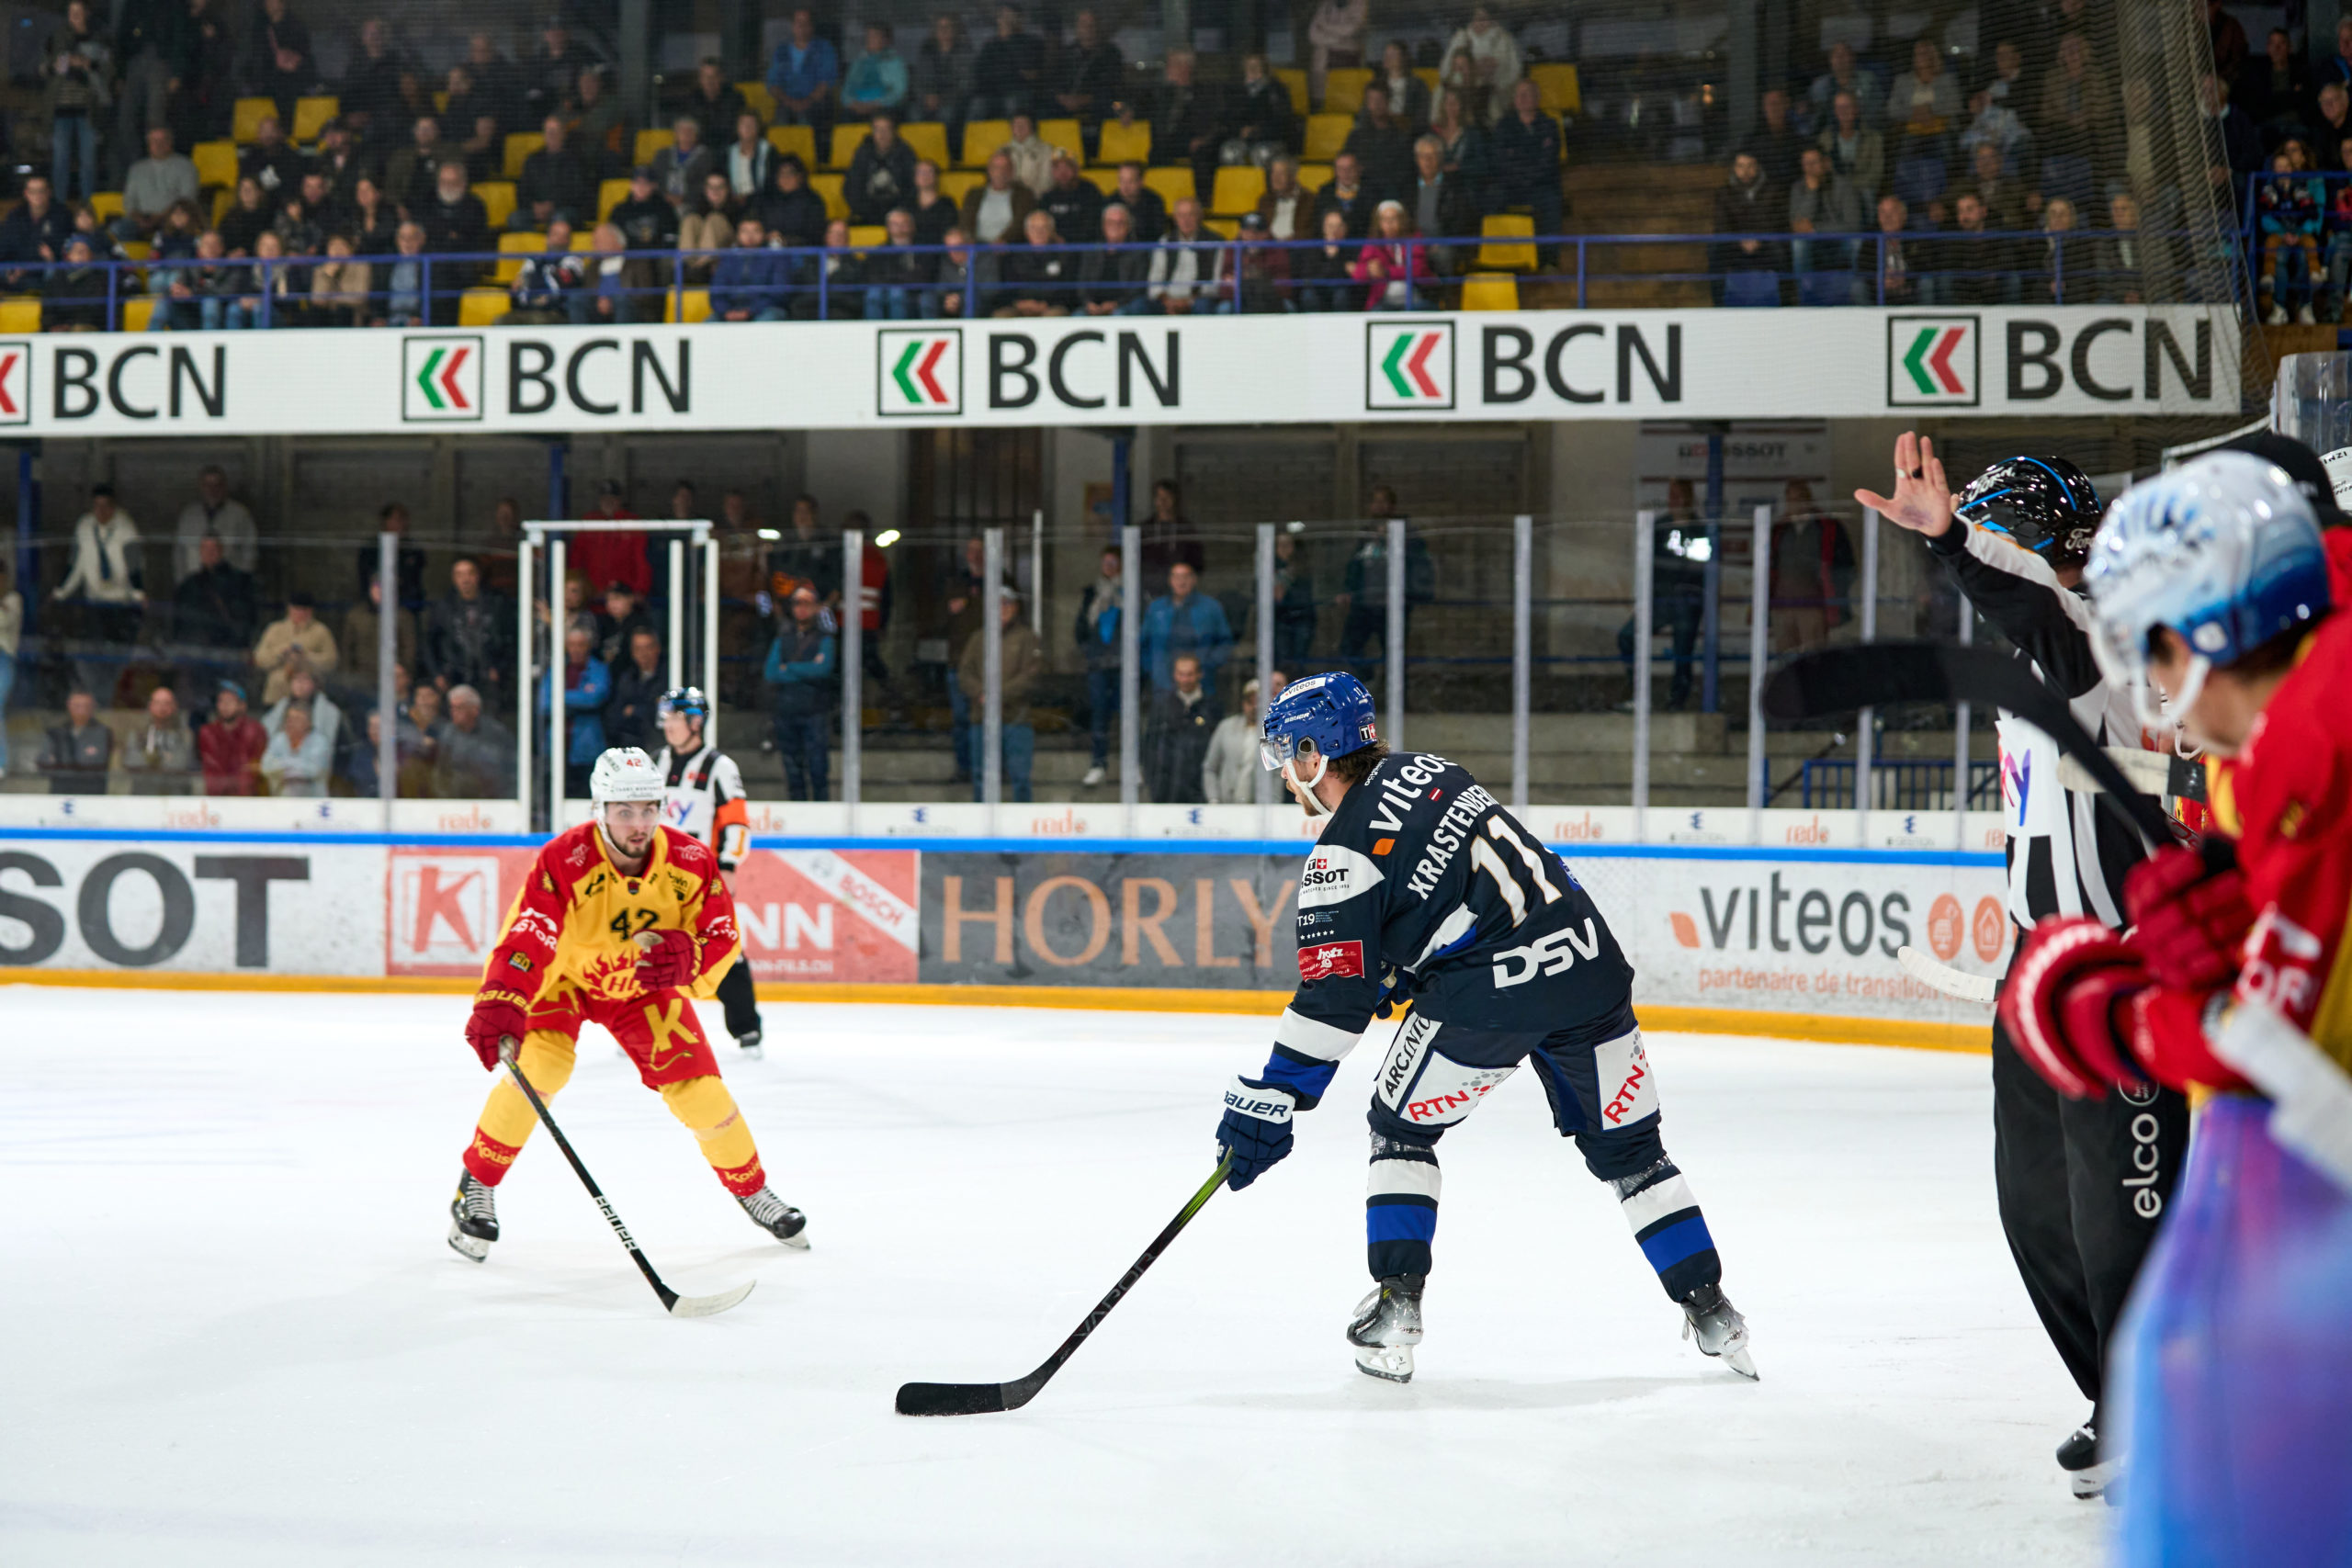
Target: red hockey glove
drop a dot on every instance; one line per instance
(669, 959)
(2060, 1005)
(493, 1020)
(2167, 1035)
(2190, 916)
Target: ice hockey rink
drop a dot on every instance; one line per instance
(236, 1334)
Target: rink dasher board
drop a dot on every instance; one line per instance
(1804, 937)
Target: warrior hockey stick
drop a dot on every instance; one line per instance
(673, 1303)
(1841, 680)
(979, 1398)
(1953, 983)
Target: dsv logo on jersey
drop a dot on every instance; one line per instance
(1553, 955)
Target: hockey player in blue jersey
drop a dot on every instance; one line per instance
(1423, 887)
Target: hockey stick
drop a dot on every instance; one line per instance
(2152, 773)
(1841, 680)
(1956, 983)
(979, 1398)
(673, 1303)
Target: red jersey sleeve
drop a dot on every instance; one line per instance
(717, 940)
(518, 966)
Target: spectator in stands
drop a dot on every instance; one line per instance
(1996, 127)
(838, 292)
(2009, 206)
(362, 633)
(617, 623)
(482, 149)
(1335, 37)
(680, 168)
(297, 759)
(1409, 95)
(1253, 277)
(960, 266)
(1032, 160)
(2077, 109)
(2276, 90)
(1261, 124)
(1391, 263)
(303, 695)
(404, 295)
(33, 233)
(1112, 278)
(881, 171)
(473, 756)
(1482, 62)
(708, 225)
(1230, 770)
(1923, 106)
(1022, 659)
(1089, 76)
(1183, 621)
(1287, 207)
(544, 291)
(807, 556)
(2289, 214)
(878, 84)
(1382, 147)
(1525, 161)
(637, 683)
(647, 224)
(897, 276)
(793, 215)
(1184, 119)
(75, 754)
(160, 755)
(994, 212)
(229, 747)
(469, 635)
(105, 584)
(1364, 596)
(276, 62)
(1147, 209)
(271, 162)
(455, 222)
(217, 514)
(1039, 275)
(214, 607)
(2122, 258)
(1183, 268)
(297, 225)
(1010, 72)
(1321, 278)
(748, 283)
(942, 86)
(1822, 202)
(1178, 722)
(1974, 267)
(556, 181)
(600, 123)
(799, 673)
(1677, 594)
(1844, 75)
(175, 242)
(1074, 204)
(932, 212)
(1813, 572)
(73, 297)
(1098, 636)
(1443, 207)
(1462, 141)
(1775, 141)
(2063, 268)
(552, 72)
(1295, 612)
(262, 295)
(2240, 143)
(2333, 121)
(803, 73)
(498, 80)
(411, 169)
(79, 70)
(1752, 205)
(714, 101)
(1856, 152)
(750, 158)
(152, 184)
(587, 686)
(296, 641)
(2337, 67)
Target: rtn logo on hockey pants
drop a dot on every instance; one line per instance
(1546, 955)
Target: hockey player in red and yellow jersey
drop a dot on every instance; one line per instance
(2214, 584)
(623, 922)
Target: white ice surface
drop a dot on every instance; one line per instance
(231, 1332)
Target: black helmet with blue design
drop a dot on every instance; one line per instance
(2044, 504)
(687, 700)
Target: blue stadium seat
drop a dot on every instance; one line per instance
(1919, 181)
(1743, 289)
(1825, 288)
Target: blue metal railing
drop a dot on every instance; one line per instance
(1829, 784)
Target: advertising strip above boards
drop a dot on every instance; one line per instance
(1275, 370)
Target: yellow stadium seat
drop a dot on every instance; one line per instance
(519, 146)
(982, 137)
(1237, 188)
(482, 306)
(955, 183)
(310, 116)
(1065, 134)
(648, 143)
(1314, 177)
(1124, 143)
(1104, 176)
(220, 202)
(846, 136)
(1490, 291)
(1223, 228)
(797, 140)
(609, 195)
(517, 246)
(1343, 88)
(697, 306)
(928, 139)
(441, 100)
(583, 238)
(216, 163)
(830, 187)
(1428, 73)
(1173, 184)
(21, 314)
(865, 236)
(247, 118)
(137, 249)
(137, 311)
(1558, 83)
(105, 204)
(498, 199)
(761, 101)
(1326, 134)
(1512, 258)
(1293, 82)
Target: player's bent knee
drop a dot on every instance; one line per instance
(545, 1059)
(1619, 1151)
(704, 1105)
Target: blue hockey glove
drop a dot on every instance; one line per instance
(1255, 1130)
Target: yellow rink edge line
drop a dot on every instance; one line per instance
(1822, 1028)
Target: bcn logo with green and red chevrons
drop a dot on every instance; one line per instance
(1932, 361)
(922, 372)
(441, 378)
(1408, 366)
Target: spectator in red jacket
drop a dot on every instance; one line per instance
(618, 556)
(229, 747)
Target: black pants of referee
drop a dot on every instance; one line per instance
(2083, 1184)
(735, 996)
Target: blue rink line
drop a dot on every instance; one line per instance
(1276, 847)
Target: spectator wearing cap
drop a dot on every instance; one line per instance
(1022, 661)
(1266, 272)
(295, 641)
(617, 556)
(160, 756)
(556, 181)
(74, 753)
(229, 747)
(881, 171)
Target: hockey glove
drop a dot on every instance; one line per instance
(2190, 916)
(2061, 1006)
(493, 1020)
(669, 959)
(2169, 1040)
(1256, 1130)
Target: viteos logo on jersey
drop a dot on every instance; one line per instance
(1335, 874)
(1408, 366)
(1553, 955)
(1933, 362)
(918, 372)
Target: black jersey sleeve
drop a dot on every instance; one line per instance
(2016, 590)
(1342, 909)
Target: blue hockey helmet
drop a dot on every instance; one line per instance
(687, 700)
(1333, 712)
(2225, 550)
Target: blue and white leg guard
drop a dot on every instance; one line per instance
(1400, 1207)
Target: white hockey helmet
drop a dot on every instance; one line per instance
(624, 773)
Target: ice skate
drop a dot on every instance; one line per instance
(1709, 1317)
(473, 1217)
(1387, 1326)
(2079, 1456)
(776, 1217)
(749, 1043)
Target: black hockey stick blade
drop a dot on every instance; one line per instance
(1842, 679)
(983, 1398)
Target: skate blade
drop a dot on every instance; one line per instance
(798, 1241)
(1739, 1360)
(1390, 1364)
(471, 1248)
(2096, 1480)
(751, 1053)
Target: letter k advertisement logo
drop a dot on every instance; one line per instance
(919, 373)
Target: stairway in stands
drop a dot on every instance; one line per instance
(1635, 198)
